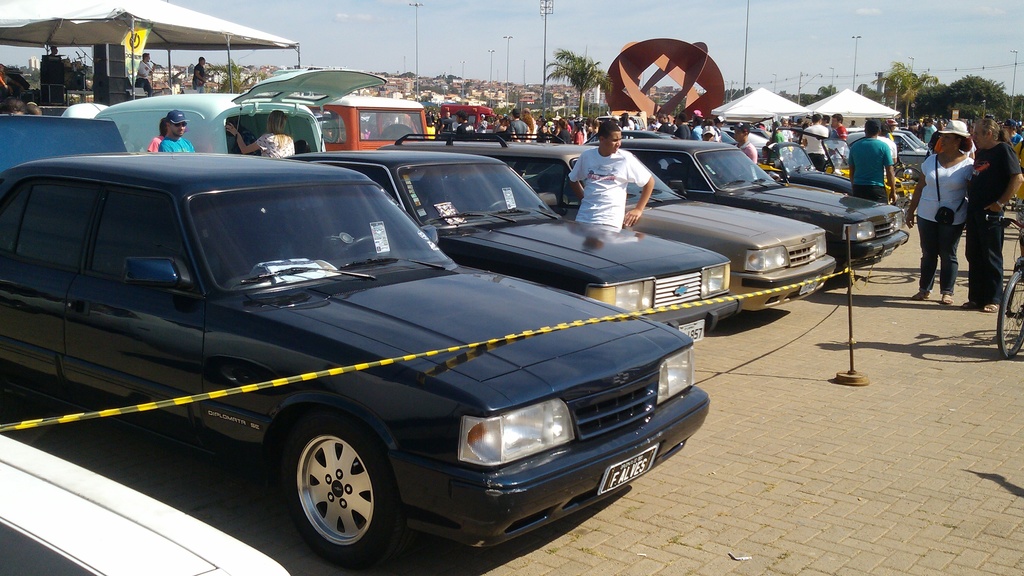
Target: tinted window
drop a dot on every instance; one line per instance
(440, 190)
(545, 177)
(136, 225)
(10, 219)
(55, 222)
(675, 168)
(311, 233)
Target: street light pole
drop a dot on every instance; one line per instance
(1013, 90)
(775, 83)
(833, 84)
(508, 48)
(546, 7)
(911, 64)
(463, 80)
(490, 74)
(416, 6)
(856, 39)
(746, 35)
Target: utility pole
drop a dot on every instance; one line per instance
(416, 6)
(508, 48)
(546, 7)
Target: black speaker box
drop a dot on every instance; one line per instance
(108, 59)
(109, 89)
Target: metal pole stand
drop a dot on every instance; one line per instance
(850, 377)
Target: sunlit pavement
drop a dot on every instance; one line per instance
(919, 472)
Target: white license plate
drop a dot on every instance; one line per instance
(808, 288)
(694, 330)
(618, 474)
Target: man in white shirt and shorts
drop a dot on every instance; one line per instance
(599, 179)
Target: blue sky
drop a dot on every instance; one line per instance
(786, 37)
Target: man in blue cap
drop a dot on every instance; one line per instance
(175, 140)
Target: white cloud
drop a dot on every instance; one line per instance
(342, 17)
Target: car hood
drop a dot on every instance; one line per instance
(591, 252)
(822, 180)
(804, 203)
(440, 310)
(701, 223)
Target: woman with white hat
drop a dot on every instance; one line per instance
(939, 208)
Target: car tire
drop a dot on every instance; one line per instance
(341, 493)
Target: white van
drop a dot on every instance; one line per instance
(292, 92)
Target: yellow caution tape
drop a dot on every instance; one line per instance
(278, 382)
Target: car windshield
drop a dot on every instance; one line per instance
(914, 142)
(795, 158)
(285, 235)
(838, 151)
(451, 193)
(731, 168)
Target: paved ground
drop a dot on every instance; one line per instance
(918, 473)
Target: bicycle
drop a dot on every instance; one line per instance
(1010, 324)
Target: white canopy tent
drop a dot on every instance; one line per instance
(87, 23)
(853, 107)
(761, 104)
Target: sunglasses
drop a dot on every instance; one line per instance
(180, 123)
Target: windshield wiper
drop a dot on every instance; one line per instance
(388, 261)
(297, 270)
(470, 215)
(764, 182)
(735, 183)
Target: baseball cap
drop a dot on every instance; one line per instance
(742, 127)
(698, 114)
(176, 117)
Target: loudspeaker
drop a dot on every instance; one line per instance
(51, 94)
(108, 60)
(51, 70)
(109, 89)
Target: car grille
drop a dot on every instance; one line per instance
(677, 289)
(803, 254)
(887, 227)
(610, 410)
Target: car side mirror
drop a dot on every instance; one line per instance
(155, 272)
(431, 231)
(677, 186)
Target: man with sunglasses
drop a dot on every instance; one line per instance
(175, 140)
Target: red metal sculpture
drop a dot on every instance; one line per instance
(699, 79)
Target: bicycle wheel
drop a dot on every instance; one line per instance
(1011, 317)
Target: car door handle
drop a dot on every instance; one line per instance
(78, 306)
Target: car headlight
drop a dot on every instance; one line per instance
(820, 246)
(713, 280)
(897, 220)
(676, 375)
(516, 434)
(631, 296)
(860, 231)
(767, 259)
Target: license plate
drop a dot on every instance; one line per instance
(694, 330)
(808, 288)
(618, 474)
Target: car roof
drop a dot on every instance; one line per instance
(47, 136)
(393, 158)
(184, 174)
(105, 527)
(485, 147)
(204, 106)
(673, 144)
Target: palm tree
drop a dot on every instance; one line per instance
(580, 71)
(901, 82)
(234, 78)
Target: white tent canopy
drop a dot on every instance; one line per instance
(85, 23)
(760, 104)
(852, 106)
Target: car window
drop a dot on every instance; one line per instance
(672, 168)
(388, 125)
(54, 223)
(10, 218)
(439, 190)
(795, 158)
(731, 169)
(252, 237)
(134, 225)
(546, 177)
(378, 174)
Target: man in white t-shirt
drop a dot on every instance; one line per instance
(812, 145)
(599, 179)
